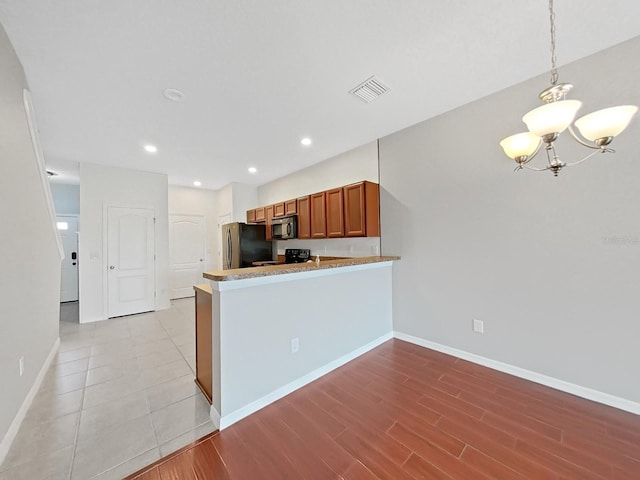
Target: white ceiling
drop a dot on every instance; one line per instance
(258, 75)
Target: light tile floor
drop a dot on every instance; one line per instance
(118, 396)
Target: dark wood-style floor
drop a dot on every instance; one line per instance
(406, 412)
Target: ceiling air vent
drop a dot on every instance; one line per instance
(369, 90)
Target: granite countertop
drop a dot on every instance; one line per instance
(255, 272)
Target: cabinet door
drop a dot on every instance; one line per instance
(278, 210)
(335, 213)
(290, 207)
(251, 216)
(318, 215)
(204, 371)
(269, 217)
(354, 211)
(260, 214)
(362, 210)
(372, 208)
(304, 217)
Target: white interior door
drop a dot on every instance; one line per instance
(68, 230)
(222, 219)
(130, 260)
(187, 248)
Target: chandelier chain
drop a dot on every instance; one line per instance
(552, 26)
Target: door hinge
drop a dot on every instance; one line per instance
(154, 219)
(154, 256)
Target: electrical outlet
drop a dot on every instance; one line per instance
(295, 345)
(21, 365)
(478, 326)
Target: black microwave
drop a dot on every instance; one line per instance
(284, 228)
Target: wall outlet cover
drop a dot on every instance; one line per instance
(478, 326)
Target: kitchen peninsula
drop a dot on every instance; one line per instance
(277, 328)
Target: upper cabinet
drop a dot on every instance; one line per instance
(303, 207)
(349, 211)
(290, 207)
(362, 210)
(335, 213)
(278, 210)
(318, 215)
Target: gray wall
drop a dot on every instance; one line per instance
(66, 198)
(30, 278)
(551, 265)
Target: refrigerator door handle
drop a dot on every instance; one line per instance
(229, 249)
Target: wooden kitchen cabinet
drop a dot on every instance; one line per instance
(290, 207)
(335, 213)
(348, 211)
(278, 210)
(204, 347)
(318, 215)
(303, 207)
(268, 217)
(362, 210)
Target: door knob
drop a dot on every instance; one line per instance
(112, 267)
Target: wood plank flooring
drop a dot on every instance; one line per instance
(406, 412)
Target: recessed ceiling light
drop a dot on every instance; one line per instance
(173, 94)
(253, 169)
(151, 148)
(306, 141)
(197, 183)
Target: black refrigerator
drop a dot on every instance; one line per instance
(244, 244)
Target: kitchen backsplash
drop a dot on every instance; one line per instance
(335, 247)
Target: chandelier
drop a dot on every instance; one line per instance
(547, 122)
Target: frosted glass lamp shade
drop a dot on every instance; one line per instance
(551, 118)
(608, 122)
(520, 145)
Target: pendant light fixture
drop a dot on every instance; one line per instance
(547, 122)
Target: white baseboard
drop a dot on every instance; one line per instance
(256, 405)
(215, 417)
(578, 390)
(22, 411)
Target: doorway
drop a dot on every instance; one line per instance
(130, 260)
(68, 230)
(187, 253)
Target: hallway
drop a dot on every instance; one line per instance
(118, 396)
